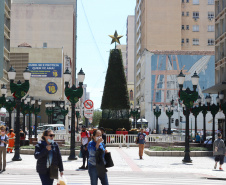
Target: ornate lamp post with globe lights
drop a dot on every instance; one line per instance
(169, 113)
(49, 111)
(135, 113)
(157, 113)
(18, 90)
(188, 97)
(64, 111)
(73, 94)
(36, 111)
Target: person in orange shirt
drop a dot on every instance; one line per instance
(11, 137)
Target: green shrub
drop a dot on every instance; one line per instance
(114, 124)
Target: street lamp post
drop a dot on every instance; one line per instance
(135, 113)
(195, 111)
(24, 111)
(157, 113)
(49, 111)
(223, 108)
(30, 109)
(188, 97)
(36, 112)
(9, 105)
(73, 94)
(18, 90)
(64, 111)
(77, 112)
(169, 113)
(214, 109)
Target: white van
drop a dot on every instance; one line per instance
(56, 128)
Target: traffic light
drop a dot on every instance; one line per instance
(181, 119)
(172, 120)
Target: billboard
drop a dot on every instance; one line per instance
(165, 69)
(44, 70)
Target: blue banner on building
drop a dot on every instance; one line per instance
(42, 70)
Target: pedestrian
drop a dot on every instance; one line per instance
(47, 152)
(164, 130)
(85, 139)
(3, 143)
(141, 141)
(11, 137)
(104, 137)
(197, 138)
(219, 151)
(96, 163)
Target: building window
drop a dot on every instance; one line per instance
(182, 41)
(182, 13)
(187, 27)
(182, 27)
(182, 1)
(211, 28)
(187, 1)
(195, 15)
(187, 40)
(210, 42)
(195, 1)
(195, 42)
(131, 95)
(187, 14)
(211, 2)
(210, 15)
(195, 28)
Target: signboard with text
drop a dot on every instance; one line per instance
(44, 70)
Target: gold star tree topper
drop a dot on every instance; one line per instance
(115, 38)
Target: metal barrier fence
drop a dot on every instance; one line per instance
(114, 139)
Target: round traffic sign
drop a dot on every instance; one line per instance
(88, 104)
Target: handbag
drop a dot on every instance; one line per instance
(53, 171)
(109, 161)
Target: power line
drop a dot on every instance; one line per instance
(102, 59)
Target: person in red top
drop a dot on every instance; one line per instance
(85, 139)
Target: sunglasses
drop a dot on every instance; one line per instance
(52, 135)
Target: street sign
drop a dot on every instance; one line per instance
(88, 113)
(88, 104)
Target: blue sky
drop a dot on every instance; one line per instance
(96, 20)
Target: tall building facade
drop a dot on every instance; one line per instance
(167, 35)
(5, 19)
(45, 24)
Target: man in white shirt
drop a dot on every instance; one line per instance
(85, 139)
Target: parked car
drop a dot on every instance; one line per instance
(56, 128)
(40, 129)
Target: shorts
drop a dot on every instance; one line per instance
(219, 158)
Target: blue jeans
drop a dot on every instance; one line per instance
(45, 179)
(94, 177)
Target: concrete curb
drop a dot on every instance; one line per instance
(179, 153)
(32, 151)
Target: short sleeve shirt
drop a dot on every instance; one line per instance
(85, 137)
(141, 138)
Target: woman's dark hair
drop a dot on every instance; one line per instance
(45, 133)
(95, 132)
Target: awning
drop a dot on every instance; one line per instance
(216, 88)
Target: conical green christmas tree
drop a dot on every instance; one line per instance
(115, 101)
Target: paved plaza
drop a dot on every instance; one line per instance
(128, 169)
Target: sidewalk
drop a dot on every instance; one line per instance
(126, 160)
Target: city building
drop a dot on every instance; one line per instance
(130, 57)
(5, 36)
(47, 82)
(220, 54)
(45, 24)
(168, 34)
(159, 70)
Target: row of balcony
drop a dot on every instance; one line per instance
(220, 27)
(221, 5)
(8, 4)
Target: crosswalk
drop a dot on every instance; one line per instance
(120, 179)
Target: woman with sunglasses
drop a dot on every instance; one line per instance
(47, 152)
